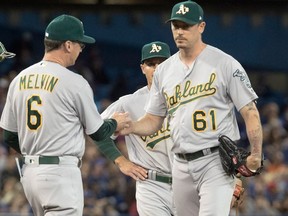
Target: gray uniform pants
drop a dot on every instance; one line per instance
(201, 187)
(54, 189)
(154, 198)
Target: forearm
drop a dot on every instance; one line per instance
(147, 125)
(105, 131)
(11, 139)
(253, 127)
(108, 148)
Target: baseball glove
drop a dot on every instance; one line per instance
(233, 158)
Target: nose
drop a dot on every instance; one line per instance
(155, 65)
(180, 31)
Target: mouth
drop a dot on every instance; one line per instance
(180, 39)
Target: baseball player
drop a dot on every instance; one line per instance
(4, 54)
(153, 196)
(48, 111)
(198, 89)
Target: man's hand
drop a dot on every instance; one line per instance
(254, 161)
(237, 198)
(123, 120)
(127, 130)
(130, 169)
(235, 159)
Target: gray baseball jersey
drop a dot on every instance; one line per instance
(46, 89)
(200, 99)
(151, 152)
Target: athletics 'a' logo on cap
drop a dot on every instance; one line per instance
(155, 48)
(182, 10)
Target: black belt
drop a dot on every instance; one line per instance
(198, 154)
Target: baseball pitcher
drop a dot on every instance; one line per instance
(198, 88)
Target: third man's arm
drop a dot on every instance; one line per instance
(146, 125)
(252, 120)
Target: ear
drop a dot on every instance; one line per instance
(142, 68)
(202, 26)
(67, 46)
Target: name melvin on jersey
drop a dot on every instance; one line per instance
(38, 81)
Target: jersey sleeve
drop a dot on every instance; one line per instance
(8, 119)
(87, 110)
(156, 104)
(114, 107)
(239, 85)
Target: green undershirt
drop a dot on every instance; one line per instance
(102, 139)
(11, 139)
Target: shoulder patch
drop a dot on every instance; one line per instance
(243, 78)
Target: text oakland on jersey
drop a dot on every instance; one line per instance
(191, 92)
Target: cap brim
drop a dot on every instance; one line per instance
(8, 54)
(87, 39)
(154, 56)
(182, 20)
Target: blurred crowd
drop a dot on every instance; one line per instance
(107, 191)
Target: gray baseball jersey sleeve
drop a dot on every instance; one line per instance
(152, 152)
(200, 98)
(52, 101)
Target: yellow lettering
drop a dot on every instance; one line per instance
(22, 84)
(190, 92)
(38, 81)
(45, 87)
(30, 80)
(52, 84)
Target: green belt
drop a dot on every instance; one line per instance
(48, 160)
(164, 179)
(198, 154)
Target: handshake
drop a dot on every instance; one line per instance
(144, 126)
(124, 123)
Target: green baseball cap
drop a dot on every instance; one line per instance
(188, 11)
(4, 53)
(155, 49)
(66, 27)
